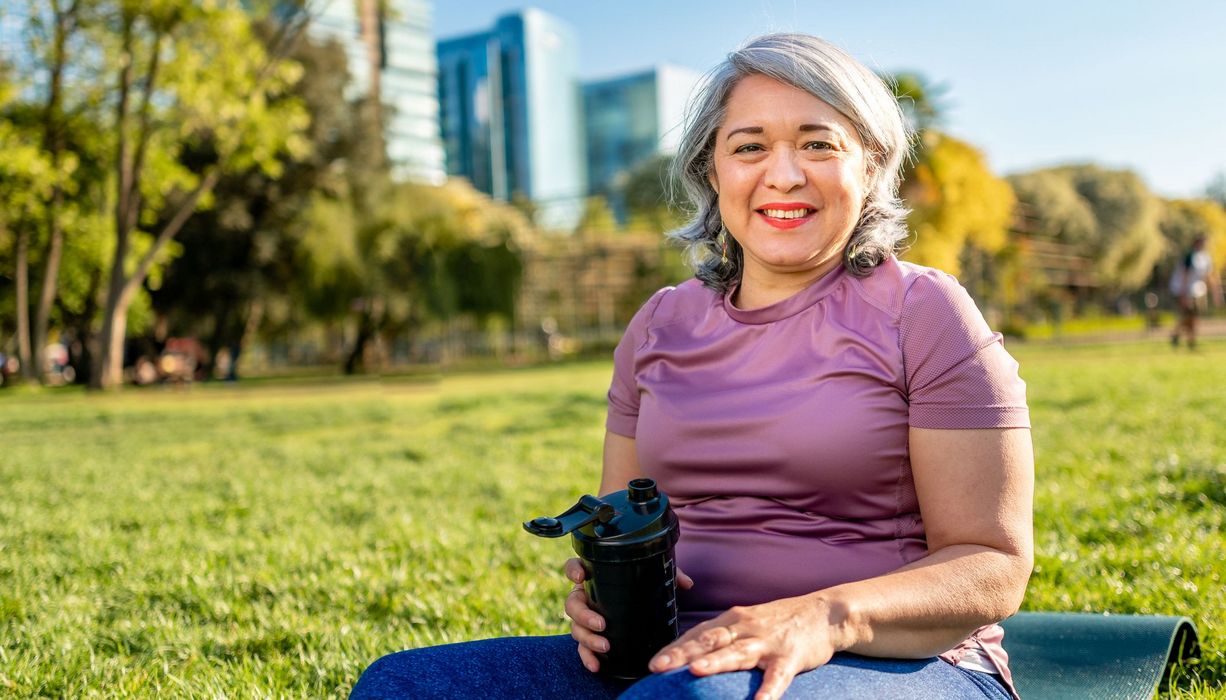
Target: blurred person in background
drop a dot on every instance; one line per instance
(1193, 283)
(844, 440)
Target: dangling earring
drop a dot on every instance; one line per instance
(723, 246)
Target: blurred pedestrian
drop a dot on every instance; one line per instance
(1193, 283)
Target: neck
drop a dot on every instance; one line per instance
(760, 288)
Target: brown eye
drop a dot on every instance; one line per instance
(747, 148)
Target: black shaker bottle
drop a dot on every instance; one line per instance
(625, 541)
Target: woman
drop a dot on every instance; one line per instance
(844, 440)
(1193, 284)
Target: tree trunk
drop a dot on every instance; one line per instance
(28, 370)
(104, 370)
(53, 142)
(83, 347)
(129, 163)
(254, 313)
(55, 251)
(108, 367)
(218, 339)
(366, 329)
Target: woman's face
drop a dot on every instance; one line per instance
(791, 173)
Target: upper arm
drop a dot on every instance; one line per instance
(969, 438)
(620, 463)
(975, 487)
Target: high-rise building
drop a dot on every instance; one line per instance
(390, 50)
(511, 113)
(629, 120)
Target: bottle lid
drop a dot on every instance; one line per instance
(623, 526)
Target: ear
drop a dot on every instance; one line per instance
(711, 179)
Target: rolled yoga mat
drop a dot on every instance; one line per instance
(1058, 656)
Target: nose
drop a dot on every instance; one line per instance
(783, 171)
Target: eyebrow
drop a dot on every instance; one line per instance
(758, 130)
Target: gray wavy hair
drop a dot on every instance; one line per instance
(831, 75)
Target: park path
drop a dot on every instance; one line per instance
(1207, 328)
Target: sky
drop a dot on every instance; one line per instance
(1125, 83)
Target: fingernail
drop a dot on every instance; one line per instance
(701, 663)
(602, 645)
(663, 660)
(597, 624)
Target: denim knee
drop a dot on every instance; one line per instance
(680, 684)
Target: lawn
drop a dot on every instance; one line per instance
(270, 539)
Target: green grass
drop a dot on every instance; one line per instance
(1073, 328)
(271, 540)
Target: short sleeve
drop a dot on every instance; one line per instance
(958, 374)
(623, 414)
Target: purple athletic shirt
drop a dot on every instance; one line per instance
(780, 433)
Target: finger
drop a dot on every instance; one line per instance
(574, 570)
(684, 581)
(741, 655)
(578, 610)
(697, 642)
(776, 679)
(588, 638)
(590, 662)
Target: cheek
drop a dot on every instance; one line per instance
(854, 186)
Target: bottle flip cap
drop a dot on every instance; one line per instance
(623, 526)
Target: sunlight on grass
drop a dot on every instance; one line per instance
(271, 540)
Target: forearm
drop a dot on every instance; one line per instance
(928, 606)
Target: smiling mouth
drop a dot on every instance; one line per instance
(786, 213)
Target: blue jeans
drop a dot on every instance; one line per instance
(549, 667)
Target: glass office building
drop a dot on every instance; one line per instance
(629, 119)
(511, 114)
(408, 78)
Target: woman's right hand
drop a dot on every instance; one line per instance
(585, 623)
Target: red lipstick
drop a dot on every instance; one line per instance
(785, 206)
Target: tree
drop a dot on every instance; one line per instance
(240, 254)
(63, 20)
(955, 202)
(1108, 216)
(171, 99)
(1182, 221)
(922, 101)
(597, 216)
(423, 253)
(27, 177)
(649, 193)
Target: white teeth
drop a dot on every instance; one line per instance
(787, 213)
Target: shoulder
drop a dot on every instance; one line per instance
(686, 300)
(898, 288)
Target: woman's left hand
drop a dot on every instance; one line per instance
(783, 638)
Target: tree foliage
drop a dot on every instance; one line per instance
(179, 96)
(954, 198)
(650, 196)
(423, 253)
(1185, 219)
(955, 202)
(1108, 216)
(239, 256)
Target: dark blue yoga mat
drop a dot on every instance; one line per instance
(1056, 656)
